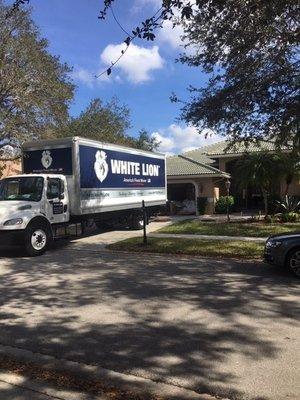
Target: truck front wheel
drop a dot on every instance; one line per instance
(37, 239)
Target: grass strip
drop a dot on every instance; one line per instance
(212, 248)
(250, 229)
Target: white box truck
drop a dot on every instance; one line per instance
(72, 180)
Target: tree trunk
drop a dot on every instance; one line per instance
(265, 196)
(287, 189)
(288, 182)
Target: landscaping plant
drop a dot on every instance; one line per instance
(290, 217)
(222, 203)
(290, 204)
(201, 204)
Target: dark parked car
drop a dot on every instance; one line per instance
(284, 251)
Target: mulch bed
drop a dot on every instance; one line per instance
(67, 381)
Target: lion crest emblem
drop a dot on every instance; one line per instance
(46, 159)
(100, 165)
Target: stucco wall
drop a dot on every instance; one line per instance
(294, 188)
(206, 188)
(223, 161)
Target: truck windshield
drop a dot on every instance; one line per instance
(23, 188)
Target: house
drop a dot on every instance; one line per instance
(8, 168)
(204, 172)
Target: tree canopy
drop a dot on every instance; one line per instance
(35, 88)
(250, 49)
(106, 122)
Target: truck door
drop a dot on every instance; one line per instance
(57, 201)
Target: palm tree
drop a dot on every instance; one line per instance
(289, 168)
(257, 169)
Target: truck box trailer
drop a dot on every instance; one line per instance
(72, 180)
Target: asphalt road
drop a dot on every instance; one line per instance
(223, 327)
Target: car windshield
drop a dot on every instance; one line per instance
(23, 188)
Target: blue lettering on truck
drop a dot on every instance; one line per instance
(106, 169)
(52, 161)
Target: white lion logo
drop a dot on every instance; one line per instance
(46, 159)
(100, 165)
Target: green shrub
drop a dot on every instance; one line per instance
(290, 217)
(201, 204)
(270, 219)
(273, 203)
(290, 204)
(222, 202)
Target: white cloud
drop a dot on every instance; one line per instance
(138, 5)
(136, 64)
(176, 139)
(90, 79)
(171, 35)
(84, 76)
(167, 34)
(166, 143)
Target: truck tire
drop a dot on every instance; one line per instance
(137, 222)
(37, 238)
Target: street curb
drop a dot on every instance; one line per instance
(209, 237)
(126, 382)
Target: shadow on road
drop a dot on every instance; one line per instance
(173, 319)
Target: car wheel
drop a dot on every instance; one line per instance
(293, 262)
(37, 239)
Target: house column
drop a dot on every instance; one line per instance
(196, 195)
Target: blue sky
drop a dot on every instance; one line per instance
(146, 75)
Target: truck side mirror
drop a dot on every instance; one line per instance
(61, 196)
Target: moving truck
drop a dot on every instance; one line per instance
(73, 180)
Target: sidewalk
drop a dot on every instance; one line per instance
(207, 237)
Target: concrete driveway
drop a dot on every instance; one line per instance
(223, 327)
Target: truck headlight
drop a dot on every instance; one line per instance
(16, 221)
(273, 244)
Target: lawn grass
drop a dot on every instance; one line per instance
(254, 229)
(213, 248)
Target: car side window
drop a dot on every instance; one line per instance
(54, 188)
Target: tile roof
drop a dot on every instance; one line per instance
(199, 161)
(219, 148)
(182, 165)
(198, 156)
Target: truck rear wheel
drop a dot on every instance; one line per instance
(37, 239)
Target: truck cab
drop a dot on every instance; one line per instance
(30, 205)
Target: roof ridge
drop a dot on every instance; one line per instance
(207, 145)
(202, 164)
